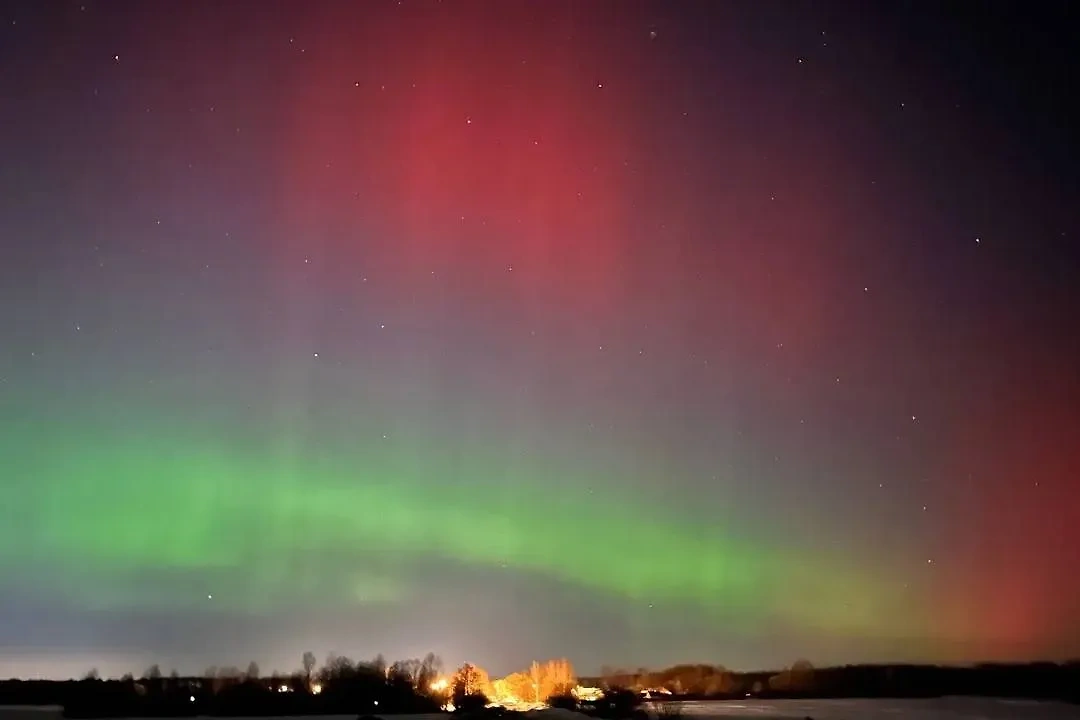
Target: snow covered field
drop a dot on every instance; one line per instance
(949, 708)
(955, 708)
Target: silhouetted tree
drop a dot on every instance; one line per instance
(152, 673)
(404, 673)
(253, 671)
(309, 666)
(360, 686)
(336, 668)
(697, 679)
(430, 667)
(796, 679)
(92, 674)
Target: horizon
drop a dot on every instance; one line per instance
(449, 669)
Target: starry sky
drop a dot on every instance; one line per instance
(629, 332)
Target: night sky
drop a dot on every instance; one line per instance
(632, 333)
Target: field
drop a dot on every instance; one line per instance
(949, 708)
(956, 708)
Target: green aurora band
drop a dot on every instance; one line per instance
(147, 521)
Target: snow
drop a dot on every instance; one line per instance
(948, 708)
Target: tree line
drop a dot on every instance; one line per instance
(704, 680)
(341, 686)
(1047, 681)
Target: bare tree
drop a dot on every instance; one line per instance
(535, 676)
(404, 672)
(471, 680)
(309, 666)
(430, 667)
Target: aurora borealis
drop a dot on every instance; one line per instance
(634, 333)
